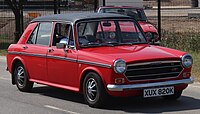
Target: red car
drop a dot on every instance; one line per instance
(138, 14)
(97, 57)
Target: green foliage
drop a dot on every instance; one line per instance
(187, 41)
(5, 42)
(195, 66)
(3, 52)
(4, 45)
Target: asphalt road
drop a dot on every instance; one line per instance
(48, 100)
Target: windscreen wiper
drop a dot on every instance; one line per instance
(132, 43)
(139, 43)
(110, 43)
(91, 44)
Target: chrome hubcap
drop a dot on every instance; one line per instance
(20, 76)
(91, 89)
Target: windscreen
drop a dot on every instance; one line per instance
(137, 14)
(109, 32)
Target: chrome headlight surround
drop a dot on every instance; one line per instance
(120, 66)
(187, 60)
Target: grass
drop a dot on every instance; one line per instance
(3, 52)
(185, 41)
(5, 41)
(4, 45)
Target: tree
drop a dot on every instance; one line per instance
(17, 8)
(194, 3)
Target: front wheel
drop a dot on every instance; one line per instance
(175, 96)
(93, 90)
(21, 78)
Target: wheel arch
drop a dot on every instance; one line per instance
(85, 72)
(14, 63)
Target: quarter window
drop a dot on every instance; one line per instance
(33, 37)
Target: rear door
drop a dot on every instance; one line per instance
(35, 51)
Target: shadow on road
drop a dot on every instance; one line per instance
(130, 105)
(59, 93)
(154, 105)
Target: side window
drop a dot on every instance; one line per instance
(63, 34)
(33, 36)
(44, 33)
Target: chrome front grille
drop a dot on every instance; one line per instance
(153, 70)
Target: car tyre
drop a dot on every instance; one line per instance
(93, 90)
(21, 78)
(175, 96)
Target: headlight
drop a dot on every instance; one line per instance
(187, 60)
(120, 66)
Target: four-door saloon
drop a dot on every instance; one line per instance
(138, 14)
(99, 55)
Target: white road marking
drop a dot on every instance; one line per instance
(5, 78)
(59, 109)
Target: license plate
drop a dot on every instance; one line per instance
(154, 92)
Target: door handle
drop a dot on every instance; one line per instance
(24, 47)
(50, 50)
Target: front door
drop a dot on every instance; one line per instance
(61, 63)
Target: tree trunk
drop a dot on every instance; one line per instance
(17, 25)
(194, 3)
(17, 8)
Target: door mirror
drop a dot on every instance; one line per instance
(152, 38)
(60, 45)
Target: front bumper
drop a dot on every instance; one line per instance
(112, 87)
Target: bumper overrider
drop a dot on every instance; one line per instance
(112, 87)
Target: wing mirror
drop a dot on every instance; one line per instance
(152, 38)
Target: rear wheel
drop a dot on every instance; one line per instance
(21, 78)
(175, 96)
(93, 90)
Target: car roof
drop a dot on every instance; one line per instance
(121, 7)
(73, 17)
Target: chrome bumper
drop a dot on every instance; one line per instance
(112, 87)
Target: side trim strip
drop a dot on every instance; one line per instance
(62, 58)
(112, 87)
(26, 54)
(14, 52)
(94, 63)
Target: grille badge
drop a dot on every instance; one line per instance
(174, 69)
